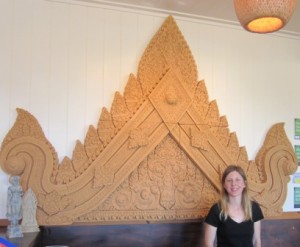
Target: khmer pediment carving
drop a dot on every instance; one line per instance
(156, 156)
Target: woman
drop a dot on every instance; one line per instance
(235, 221)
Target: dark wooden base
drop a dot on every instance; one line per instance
(281, 233)
(158, 235)
(275, 233)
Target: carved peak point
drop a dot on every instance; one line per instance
(167, 49)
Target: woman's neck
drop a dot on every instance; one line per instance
(235, 201)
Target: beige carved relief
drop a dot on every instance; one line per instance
(157, 156)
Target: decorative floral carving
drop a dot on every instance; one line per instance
(167, 49)
(80, 159)
(119, 111)
(106, 129)
(199, 139)
(103, 176)
(53, 202)
(233, 147)
(133, 94)
(93, 146)
(66, 172)
(25, 125)
(201, 101)
(170, 98)
(137, 138)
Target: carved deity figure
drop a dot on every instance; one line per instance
(14, 207)
(29, 222)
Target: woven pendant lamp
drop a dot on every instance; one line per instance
(264, 16)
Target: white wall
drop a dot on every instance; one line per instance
(63, 60)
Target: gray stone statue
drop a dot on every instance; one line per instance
(29, 206)
(14, 207)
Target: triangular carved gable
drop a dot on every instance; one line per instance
(165, 186)
(157, 155)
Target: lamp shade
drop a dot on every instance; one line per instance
(264, 16)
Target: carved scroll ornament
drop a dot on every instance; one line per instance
(157, 155)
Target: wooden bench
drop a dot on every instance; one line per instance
(275, 233)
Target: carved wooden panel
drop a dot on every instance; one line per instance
(156, 156)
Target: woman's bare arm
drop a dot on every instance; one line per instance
(209, 235)
(257, 234)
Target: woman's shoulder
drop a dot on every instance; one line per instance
(256, 211)
(255, 204)
(215, 207)
(212, 217)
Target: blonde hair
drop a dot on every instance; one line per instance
(246, 202)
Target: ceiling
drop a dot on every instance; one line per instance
(218, 10)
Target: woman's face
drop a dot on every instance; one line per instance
(234, 184)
